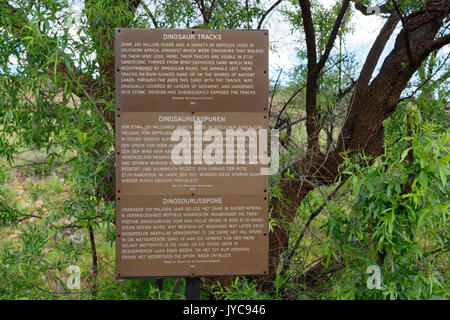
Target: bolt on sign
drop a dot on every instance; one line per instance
(191, 152)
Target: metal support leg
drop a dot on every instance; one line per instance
(192, 288)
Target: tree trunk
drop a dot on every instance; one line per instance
(370, 105)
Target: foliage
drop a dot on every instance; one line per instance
(395, 221)
(240, 289)
(57, 160)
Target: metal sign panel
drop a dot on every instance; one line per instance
(191, 236)
(191, 197)
(191, 70)
(144, 145)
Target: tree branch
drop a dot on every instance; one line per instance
(94, 259)
(287, 103)
(440, 42)
(202, 8)
(342, 93)
(312, 126)
(409, 50)
(365, 75)
(274, 90)
(263, 17)
(333, 35)
(152, 17)
(314, 214)
(372, 104)
(211, 8)
(428, 79)
(308, 26)
(375, 52)
(19, 23)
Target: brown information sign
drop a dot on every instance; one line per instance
(191, 70)
(145, 164)
(191, 236)
(191, 152)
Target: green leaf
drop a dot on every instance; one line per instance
(443, 175)
(404, 154)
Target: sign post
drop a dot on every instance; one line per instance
(192, 288)
(191, 154)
